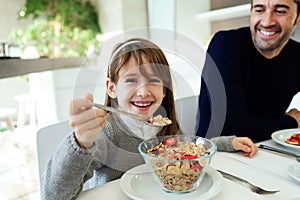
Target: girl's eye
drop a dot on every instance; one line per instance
(154, 80)
(131, 80)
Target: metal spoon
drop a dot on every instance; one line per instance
(115, 110)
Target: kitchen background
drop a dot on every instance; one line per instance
(198, 20)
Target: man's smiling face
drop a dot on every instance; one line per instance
(272, 23)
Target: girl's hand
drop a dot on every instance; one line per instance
(245, 144)
(86, 121)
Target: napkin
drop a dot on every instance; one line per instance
(265, 169)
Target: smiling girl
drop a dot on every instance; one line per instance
(103, 145)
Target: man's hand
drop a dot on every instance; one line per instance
(294, 113)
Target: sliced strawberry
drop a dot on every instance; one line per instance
(196, 167)
(151, 120)
(294, 139)
(188, 157)
(296, 136)
(161, 151)
(170, 142)
(173, 158)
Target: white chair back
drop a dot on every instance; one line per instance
(187, 109)
(47, 140)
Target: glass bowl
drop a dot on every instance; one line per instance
(178, 163)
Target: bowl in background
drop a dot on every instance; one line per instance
(178, 163)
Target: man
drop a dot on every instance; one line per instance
(260, 73)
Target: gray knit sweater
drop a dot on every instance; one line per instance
(72, 168)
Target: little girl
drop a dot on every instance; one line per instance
(103, 145)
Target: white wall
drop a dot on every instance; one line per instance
(9, 88)
(109, 14)
(187, 22)
(76, 83)
(119, 15)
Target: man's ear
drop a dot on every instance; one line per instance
(110, 88)
(298, 20)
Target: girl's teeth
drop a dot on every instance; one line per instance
(142, 104)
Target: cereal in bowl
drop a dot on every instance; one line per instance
(180, 167)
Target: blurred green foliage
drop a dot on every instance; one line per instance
(60, 28)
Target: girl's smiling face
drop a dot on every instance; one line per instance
(136, 93)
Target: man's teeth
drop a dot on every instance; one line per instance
(267, 32)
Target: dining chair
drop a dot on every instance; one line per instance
(186, 111)
(47, 140)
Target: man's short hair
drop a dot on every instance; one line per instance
(296, 1)
(298, 6)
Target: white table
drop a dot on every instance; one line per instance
(265, 169)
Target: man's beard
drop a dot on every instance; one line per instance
(270, 47)
(264, 46)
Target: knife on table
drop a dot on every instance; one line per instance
(262, 146)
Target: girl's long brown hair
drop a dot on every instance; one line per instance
(137, 48)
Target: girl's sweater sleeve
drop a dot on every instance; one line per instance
(224, 143)
(67, 170)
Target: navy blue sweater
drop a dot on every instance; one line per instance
(257, 90)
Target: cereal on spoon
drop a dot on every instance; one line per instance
(160, 121)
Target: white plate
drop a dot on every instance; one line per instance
(294, 171)
(139, 184)
(282, 135)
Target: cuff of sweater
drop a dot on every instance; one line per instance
(224, 143)
(74, 145)
(229, 143)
